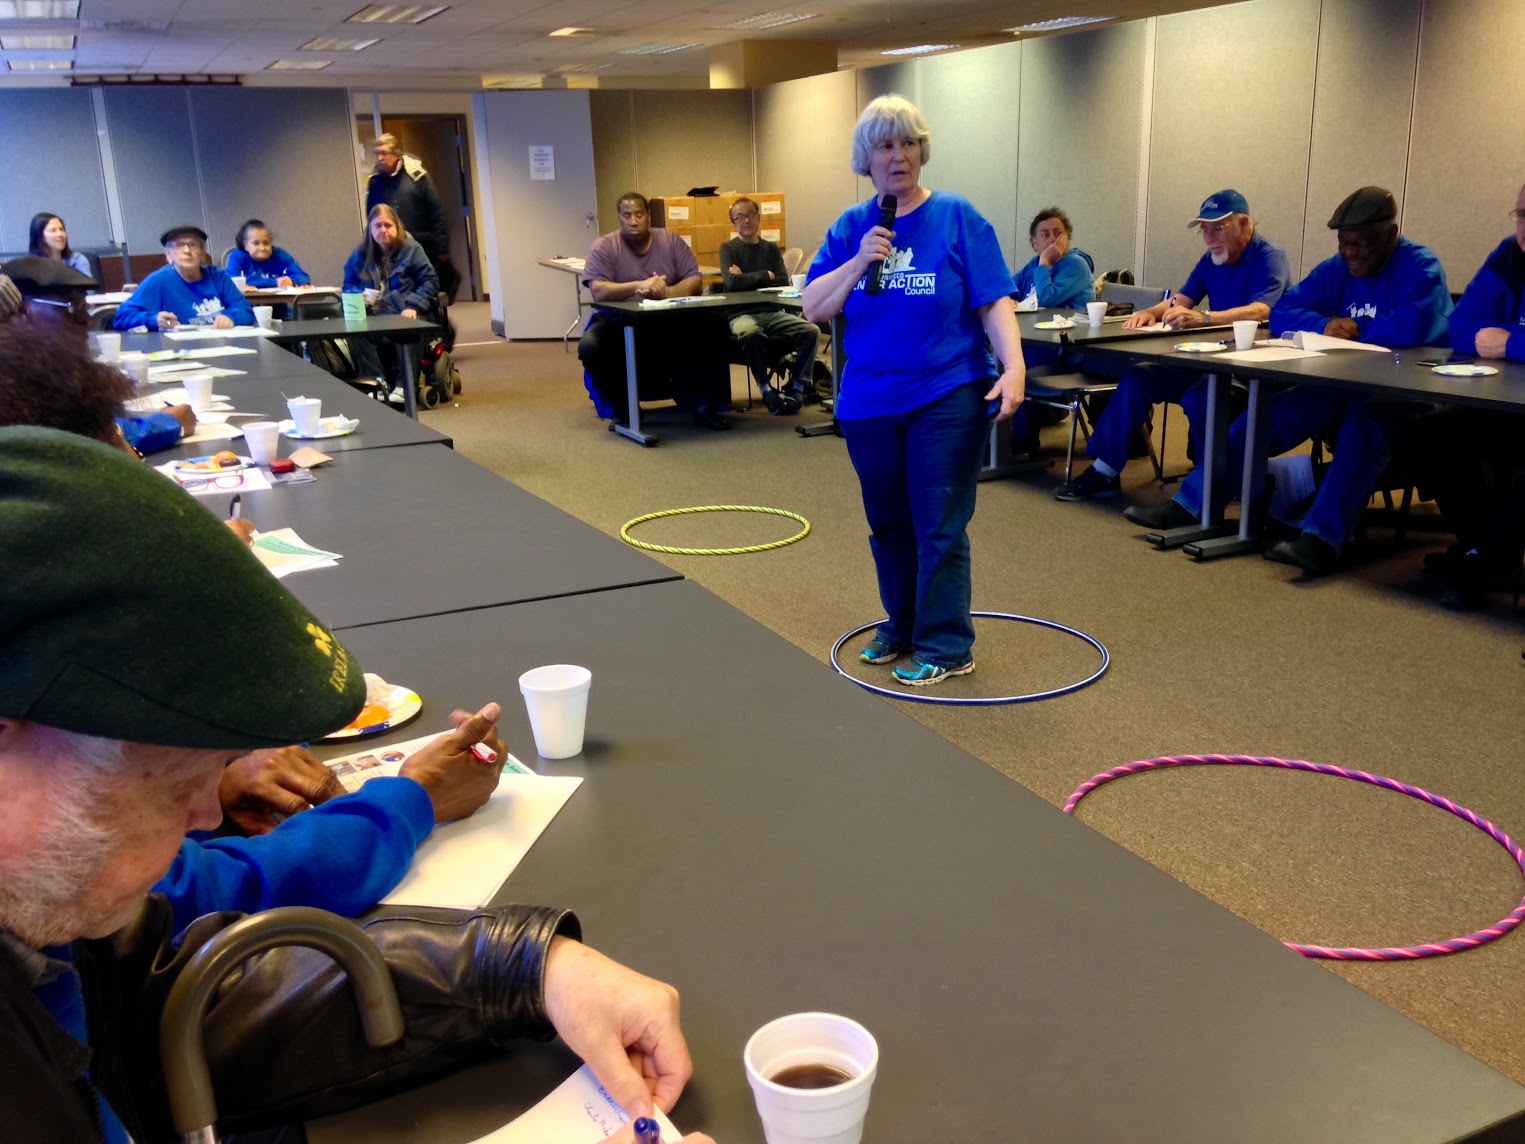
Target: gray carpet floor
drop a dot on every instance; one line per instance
(1361, 669)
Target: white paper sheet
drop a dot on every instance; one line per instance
(178, 370)
(1268, 353)
(192, 333)
(254, 480)
(283, 552)
(212, 431)
(1307, 340)
(462, 864)
(578, 1111)
(221, 351)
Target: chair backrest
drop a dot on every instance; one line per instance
(1140, 297)
(226, 254)
(305, 307)
(792, 259)
(103, 318)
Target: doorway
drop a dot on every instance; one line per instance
(439, 141)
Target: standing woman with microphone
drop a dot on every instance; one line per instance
(921, 282)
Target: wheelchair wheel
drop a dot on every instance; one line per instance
(428, 396)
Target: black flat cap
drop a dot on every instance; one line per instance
(34, 275)
(1364, 207)
(177, 231)
(128, 611)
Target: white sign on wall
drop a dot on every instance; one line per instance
(543, 164)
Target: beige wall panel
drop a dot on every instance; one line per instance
(804, 148)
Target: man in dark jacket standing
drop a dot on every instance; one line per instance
(402, 183)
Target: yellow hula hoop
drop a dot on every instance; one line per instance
(628, 525)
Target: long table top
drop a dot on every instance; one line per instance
(1026, 978)
(424, 530)
(631, 308)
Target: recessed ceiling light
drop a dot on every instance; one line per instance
(395, 13)
(655, 49)
(572, 32)
(1061, 22)
(39, 9)
(570, 69)
(335, 44)
(36, 42)
(40, 65)
(765, 20)
(919, 49)
(298, 65)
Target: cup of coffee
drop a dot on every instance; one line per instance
(371, 298)
(240, 281)
(135, 364)
(354, 307)
(262, 438)
(556, 697)
(109, 346)
(198, 391)
(306, 415)
(798, 280)
(1095, 312)
(262, 316)
(1244, 335)
(811, 1075)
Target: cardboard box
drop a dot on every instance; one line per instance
(714, 210)
(709, 238)
(672, 211)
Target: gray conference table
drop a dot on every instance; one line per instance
(423, 530)
(408, 334)
(1026, 979)
(1391, 375)
(268, 360)
(631, 314)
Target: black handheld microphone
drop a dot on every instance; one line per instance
(887, 207)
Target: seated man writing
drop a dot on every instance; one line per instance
(187, 292)
(636, 262)
(750, 262)
(1379, 288)
(115, 729)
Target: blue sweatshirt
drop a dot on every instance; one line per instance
(1259, 274)
(343, 855)
(1068, 284)
(269, 272)
(150, 433)
(1494, 298)
(194, 303)
(1405, 304)
(413, 283)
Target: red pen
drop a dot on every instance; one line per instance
(484, 753)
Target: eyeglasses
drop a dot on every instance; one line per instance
(739, 215)
(221, 481)
(184, 244)
(77, 307)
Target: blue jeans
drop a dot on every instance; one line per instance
(1141, 388)
(1361, 452)
(918, 471)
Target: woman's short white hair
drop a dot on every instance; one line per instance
(889, 117)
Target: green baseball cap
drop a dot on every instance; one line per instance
(128, 611)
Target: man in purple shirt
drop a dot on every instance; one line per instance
(635, 263)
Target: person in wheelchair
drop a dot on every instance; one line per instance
(396, 277)
(767, 337)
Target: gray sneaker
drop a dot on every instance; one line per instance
(1092, 484)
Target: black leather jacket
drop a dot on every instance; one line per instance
(282, 1036)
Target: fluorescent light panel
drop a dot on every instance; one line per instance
(395, 13)
(40, 65)
(655, 49)
(1060, 22)
(39, 9)
(919, 49)
(36, 42)
(570, 31)
(335, 44)
(571, 69)
(765, 20)
(298, 65)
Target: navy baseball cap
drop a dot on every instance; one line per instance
(1220, 206)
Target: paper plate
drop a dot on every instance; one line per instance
(328, 427)
(1200, 347)
(198, 466)
(1054, 324)
(400, 706)
(1460, 370)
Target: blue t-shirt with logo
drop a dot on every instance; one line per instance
(1259, 274)
(196, 303)
(1405, 304)
(919, 339)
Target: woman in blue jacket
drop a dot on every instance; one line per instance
(397, 278)
(261, 263)
(50, 239)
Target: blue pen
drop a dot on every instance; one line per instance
(647, 1131)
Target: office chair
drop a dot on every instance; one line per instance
(792, 259)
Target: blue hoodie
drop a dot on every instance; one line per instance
(1405, 304)
(1494, 298)
(194, 303)
(1068, 284)
(268, 273)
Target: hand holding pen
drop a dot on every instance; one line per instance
(647, 1131)
(459, 770)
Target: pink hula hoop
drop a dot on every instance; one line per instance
(1389, 953)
